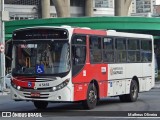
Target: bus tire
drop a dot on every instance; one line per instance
(91, 100)
(133, 95)
(41, 104)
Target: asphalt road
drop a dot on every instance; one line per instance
(110, 108)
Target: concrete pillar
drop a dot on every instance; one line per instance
(122, 7)
(45, 5)
(62, 7)
(119, 8)
(88, 7)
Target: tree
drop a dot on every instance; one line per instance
(122, 7)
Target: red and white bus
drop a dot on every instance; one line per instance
(65, 64)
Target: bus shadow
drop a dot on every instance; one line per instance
(63, 107)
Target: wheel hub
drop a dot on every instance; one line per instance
(134, 91)
(92, 96)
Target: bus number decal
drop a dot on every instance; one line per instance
(44, 84)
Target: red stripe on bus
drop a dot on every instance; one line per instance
(93, 72)
(23, 82)
(90, 32)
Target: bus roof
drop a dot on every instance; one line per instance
(83, 30)
(130, 35)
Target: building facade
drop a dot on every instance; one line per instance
(156, 11)
(142, 7)
(103, 7)
(30, 9)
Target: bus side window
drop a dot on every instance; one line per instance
(121, 54)
(78, 50)
(95, 49)
(146, 51)
(108, 50)
(78, 55)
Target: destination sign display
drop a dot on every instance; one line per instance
(40, 33)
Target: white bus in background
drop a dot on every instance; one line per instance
(66, 64)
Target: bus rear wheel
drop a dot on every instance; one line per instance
(133, 95)
(40, 104)
(91, 100)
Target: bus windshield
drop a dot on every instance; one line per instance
(42, 58)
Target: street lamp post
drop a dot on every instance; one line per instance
(2, 44)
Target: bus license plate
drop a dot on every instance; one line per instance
(35, 94)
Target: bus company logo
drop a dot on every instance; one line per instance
(116, 70)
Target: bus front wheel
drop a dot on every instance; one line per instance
(40, 104)
(91, 100)
(133, 95)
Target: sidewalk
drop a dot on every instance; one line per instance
(6, 92)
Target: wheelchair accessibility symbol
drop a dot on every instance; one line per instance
(39, 69)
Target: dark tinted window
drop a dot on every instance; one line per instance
(108, 43)
(121, 54)
(146, 50)
(80, 40)
(95, 49)
(95, 42)
(133, 56)
(78, 53)
(146, 45)
(133, 44)
(120, 44)
(108, 49)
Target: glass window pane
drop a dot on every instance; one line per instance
(95, 43)
(146, 56)
(120, 44)
(80, 40)
(95, 56)
(146, 45)
(108, 43)
(133, 44)
(121, 56)
(133, 56)
(78, 54)
(108, 56)
(95, 49)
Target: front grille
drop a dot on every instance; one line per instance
(36, 97)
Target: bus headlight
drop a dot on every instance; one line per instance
(18, 87)
(15, 86)
(54, 88)
(60, 86)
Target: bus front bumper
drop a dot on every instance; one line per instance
(62, 95)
